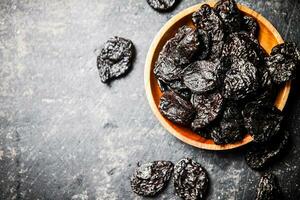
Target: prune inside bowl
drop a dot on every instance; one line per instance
(268, 38)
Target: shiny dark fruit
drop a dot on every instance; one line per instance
(250, 25)
(268, 188)
(162, 5)
(289, 50)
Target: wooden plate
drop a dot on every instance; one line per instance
(268, 38)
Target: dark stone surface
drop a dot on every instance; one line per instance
(65, 135)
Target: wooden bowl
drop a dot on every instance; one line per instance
(268, 38)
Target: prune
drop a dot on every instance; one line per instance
(205, 44)
(231, 127)
(260, 156)
(289, 50)
(264, 77)
(230, 14)
(115, 58)
(241, 80)
(202, 76)
(176, 109)
(161, 5)
(208, 109)
(176, 86)
(151, 178)
(250, 25)
(176, 54)
(262, 122)
(241, 45)
(268, 188)
(190, 180)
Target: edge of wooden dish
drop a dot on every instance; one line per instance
(279, 103)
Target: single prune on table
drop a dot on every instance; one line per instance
(176, 109)
(250, 25)
(262, 122)
(230, 15)
(162, 5)
(268, 188)
(240, 80)
(202, 76)
(260, 156)
(151, 178)
(115, 58)
(208, 108)
(289, 50)
(190, 180)
(280, 68)
(230, 128)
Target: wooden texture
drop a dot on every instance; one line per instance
(268, 38)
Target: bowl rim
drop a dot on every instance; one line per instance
(280, 103)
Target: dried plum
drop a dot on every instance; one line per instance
(202, 76)
(205, 44)
(230, 14)
(115, 58)
(268, 188)
(176, 86)
(208, 109)
(231, 128)
(289, 50)
(151, 178)
(260, 156)
(250, 25)
(240, 80)
(176, 109)
(162, 5)
(190, 180)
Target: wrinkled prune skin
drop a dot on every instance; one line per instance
(262, 122)
(240, 80)
(202, 76)
(250, 25)
(280, 68)
(205, 44)
(162, 5)
(190, 180)
(264, 78)
(176, 109)
(230, 15)
(151, 178)
(289, 50)
(231, 128)
(176, 86)
(259, 156)
(244, 47)
(268, 188)
(115, 58)
(206, 19)
(176, 54)
(208, 108)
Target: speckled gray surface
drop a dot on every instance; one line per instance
(65, 135)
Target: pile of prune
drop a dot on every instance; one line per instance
(217, 79)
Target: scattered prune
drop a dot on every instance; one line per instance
(202, 76)
(240, 80)
(250, 25)
(190, 180)
(289, 50)
(162, 5)
(230, 14)
(231, 127)
(176, 109)
(260, 156)
(280, 68)
(151, 178)
(268, 188)
(208, 109)
(115, 58)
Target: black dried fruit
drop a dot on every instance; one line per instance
(262, 122)
(151, 178)
(280, 68)
(289, 50)
(162, 5)
(205, 44)
(190, 180)
(241, 80)
(260, 156)
(115, 58)
(208, 108)
(268, 188)
(176, 86)
(250, 25)
(202, 76)
(231, 128)
(176, 109)
(230, 14)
